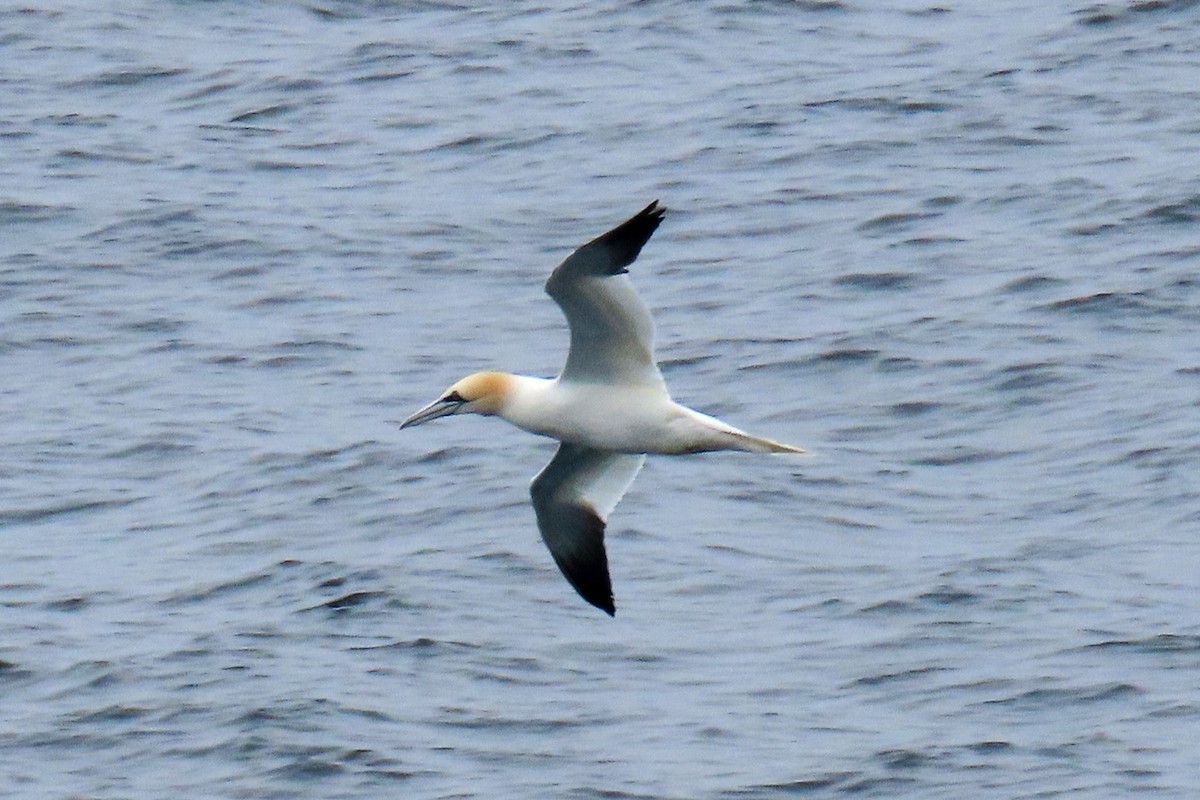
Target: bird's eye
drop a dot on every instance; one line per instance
(454, 397)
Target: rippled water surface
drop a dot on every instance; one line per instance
(953, 249)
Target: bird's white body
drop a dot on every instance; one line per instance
(608, 408)
(620, 418)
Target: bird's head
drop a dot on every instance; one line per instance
(481, 393)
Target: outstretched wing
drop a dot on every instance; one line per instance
(612, 334)
(572, 497)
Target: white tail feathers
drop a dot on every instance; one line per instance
(757, 444)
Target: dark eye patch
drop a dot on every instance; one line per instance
(453, 397)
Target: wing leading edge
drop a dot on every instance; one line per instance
(572, 497)
(612, 333)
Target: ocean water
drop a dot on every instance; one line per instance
(954, 249)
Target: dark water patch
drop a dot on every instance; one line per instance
(751, 491)
(1020, 377)
(156, 325)
(948, 596)
(503, 724)
(884, 678)
(1144, 455)
(1093, 229)
(226, 360)
(877, 281)
(10, 516)
(904, 759)
(1011, 140)
(508, 561)
(306, 769)
(1109, 14)
(421, 644)
(113, 713)
(75, 120)
(885, 104)
(126, 77)
(741, 341)
(1185, 710)
(1105, 303)
(76, 154)
(990, 746)
(898, 364)
(15, 213)
(273, 300)
(316, 344)
(281, 83)
(1184, 255)
(187, 247)
(1184, 211)
(1056, 549)
(914, 408)
(879, 786)
(266, 112)
(1031, 283)
(1099, 15)
(959, 456)
(857, 433)
(237, 273)
(490, 69)
(762, 126)
(852, 524)
(336, 582)
(209, 90)
(1159, 644)
(791, 365)
(471, 142)
(351, 601)
(511, 677)
(381, 53)
(888, 222)
(171, 346)
(181, 219)
(68, 604)
(815, 6)
(845, 355)
(931, 241)
(668, 365)
(13, 673)
(437, 456)
(797, 788)
(889, 607)
(282, 362)
(219, 589)
(1057, 698)
(283, 166)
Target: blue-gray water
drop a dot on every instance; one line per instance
(955, 250)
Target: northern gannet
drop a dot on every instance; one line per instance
(608, 408)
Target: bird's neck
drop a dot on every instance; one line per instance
(525, 402)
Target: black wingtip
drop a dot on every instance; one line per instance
(598, 594)
(586, 566)
(652, 215)
(628, 238)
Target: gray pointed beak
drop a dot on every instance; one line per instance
(438, 408)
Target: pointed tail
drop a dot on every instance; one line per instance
(757, 444)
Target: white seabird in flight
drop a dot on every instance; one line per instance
(608, 408)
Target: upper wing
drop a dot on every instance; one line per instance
(572, 496)
(612, 334)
